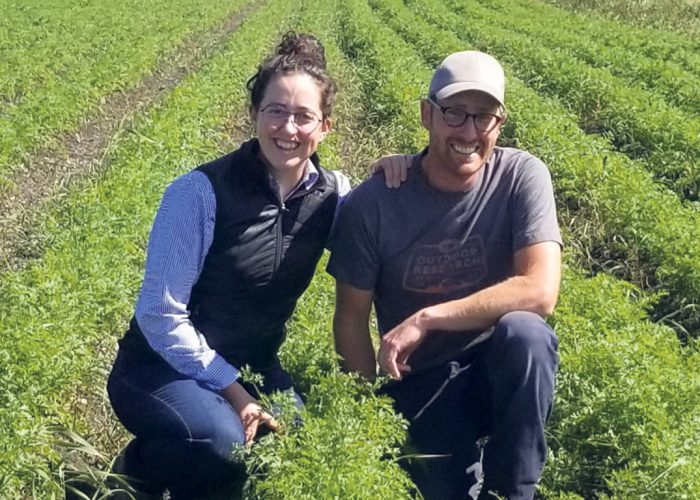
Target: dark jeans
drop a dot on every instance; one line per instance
(482, 416)
(185, 432)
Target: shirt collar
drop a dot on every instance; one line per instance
(308, 180)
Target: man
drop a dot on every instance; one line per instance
(462, 263)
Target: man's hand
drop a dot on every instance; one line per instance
(398, 345)
(250, 412)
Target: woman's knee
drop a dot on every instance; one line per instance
(207, 421)
(180, 411)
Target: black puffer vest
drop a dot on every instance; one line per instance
(262, 258)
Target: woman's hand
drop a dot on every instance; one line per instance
(251, 413)
(395, 168)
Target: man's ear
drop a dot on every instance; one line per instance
(425, 114)
(500, 124)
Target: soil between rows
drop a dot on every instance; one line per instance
(78, 155)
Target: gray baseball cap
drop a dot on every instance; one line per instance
(468, 70)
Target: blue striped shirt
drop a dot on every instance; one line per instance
(182, 233)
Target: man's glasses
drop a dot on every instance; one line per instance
(455, 117)
(305, 121)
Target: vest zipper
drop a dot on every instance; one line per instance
(280, 236)
(282, 209)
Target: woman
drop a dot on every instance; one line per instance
(233, 246)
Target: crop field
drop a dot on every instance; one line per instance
(103, 104)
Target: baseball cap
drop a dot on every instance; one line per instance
(468, 70)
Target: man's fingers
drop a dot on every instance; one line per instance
(404, 368)
(388, 361)
(393, 369)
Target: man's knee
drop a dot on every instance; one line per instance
(525, 335)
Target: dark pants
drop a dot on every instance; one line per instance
(185, 432)
(482, 416)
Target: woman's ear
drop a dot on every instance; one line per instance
(326, 127)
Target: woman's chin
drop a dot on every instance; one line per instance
(287, 164)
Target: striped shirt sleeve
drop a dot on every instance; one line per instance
(182, 233)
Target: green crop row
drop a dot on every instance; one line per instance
(624, 218)
(681, 16)
(652, 43)
(638, 124)
(77, 298)
(59, 59)
(622, 425)
(625, 422)
(62, 314)
(348, 443)
(665, 78)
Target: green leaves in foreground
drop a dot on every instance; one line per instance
(626, 420)
(346, 448)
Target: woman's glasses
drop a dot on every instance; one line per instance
(304, 121)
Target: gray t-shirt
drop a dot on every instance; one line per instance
(416, 246)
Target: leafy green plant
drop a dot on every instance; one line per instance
(552, 28)
(62, 313)
(640, 125)
(680, 15)
(61, 59)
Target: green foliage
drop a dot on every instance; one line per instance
(59, 59)
(346, 448)
(638, 124)
(62, 314)
(552, 28)
(680, 15)
(626, 421)
(654, 44)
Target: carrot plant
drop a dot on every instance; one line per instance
(665, 461)
(666, 79)
(643, 42)
(639, 124)
(62, 314)
(59, 59)
(679, 15)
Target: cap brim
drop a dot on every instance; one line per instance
(457, 87)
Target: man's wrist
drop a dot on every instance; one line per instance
(426, 319)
